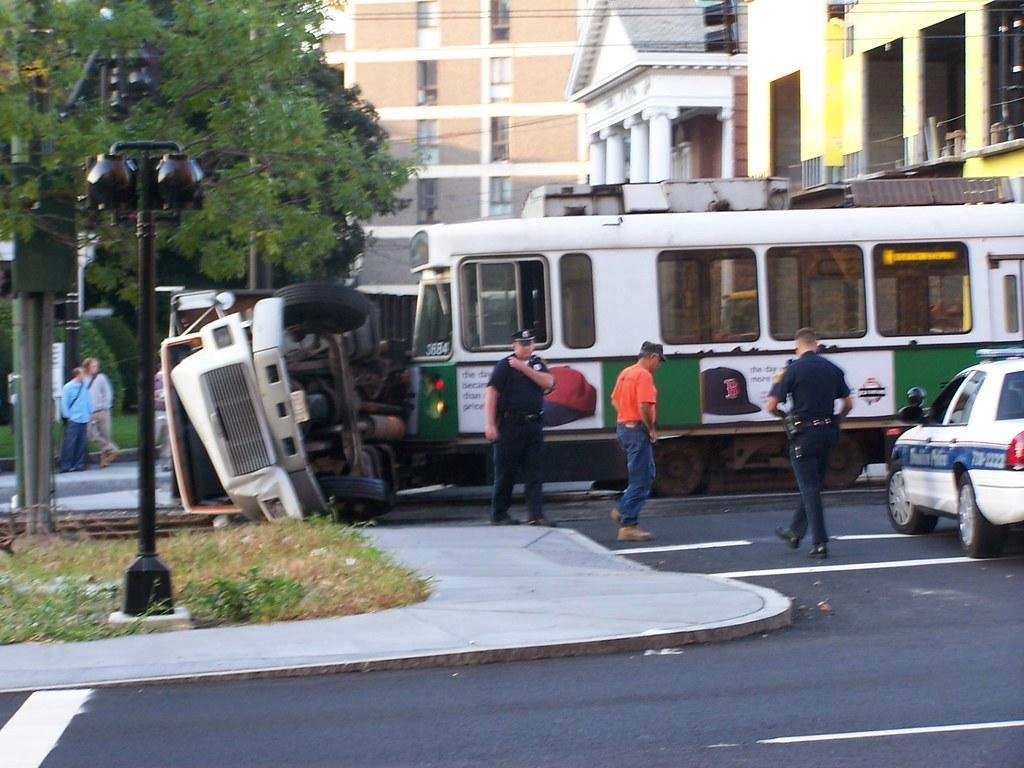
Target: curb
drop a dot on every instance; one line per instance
(596, 647)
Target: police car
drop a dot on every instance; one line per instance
(965, 457)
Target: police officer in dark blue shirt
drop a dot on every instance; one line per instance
(812, 384)
(513, 404)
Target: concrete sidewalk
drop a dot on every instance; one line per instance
(499, 594)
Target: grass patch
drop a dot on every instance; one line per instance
(56, 590)
(124, 428)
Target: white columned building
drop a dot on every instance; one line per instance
(654, 95)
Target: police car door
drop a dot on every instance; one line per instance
(924, 446)
(950, 447)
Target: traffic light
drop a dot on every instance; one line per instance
(128, 79)
(723, 31)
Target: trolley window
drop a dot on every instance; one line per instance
(821, 286)
(433, 334)
(577, 274)
(501, 297)
(922, 289)
(708, 295)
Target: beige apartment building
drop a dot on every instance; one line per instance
(475, 91)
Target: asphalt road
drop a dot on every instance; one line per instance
(903, 653)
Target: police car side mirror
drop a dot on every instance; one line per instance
(912, 414)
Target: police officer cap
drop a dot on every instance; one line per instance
(525, 336)
(649, 349)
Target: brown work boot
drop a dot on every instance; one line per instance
(633, 533)
(616, 516)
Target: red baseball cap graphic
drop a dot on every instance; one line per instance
(572, 398)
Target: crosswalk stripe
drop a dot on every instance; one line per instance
(35, 729)
(682, 547)
(846, 567)
(893, 732)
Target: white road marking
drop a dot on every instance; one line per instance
(893, 732)
(35, 729)
(847, 567)
(682, 547)
(870, 536)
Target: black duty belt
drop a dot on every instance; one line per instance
(521, 417)
(818, 422)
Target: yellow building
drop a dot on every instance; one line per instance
(871, 88)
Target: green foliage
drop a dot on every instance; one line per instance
(124, 357)
(292, 160)
(254, 597)
(6, 357)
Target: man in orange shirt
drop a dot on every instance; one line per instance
(635, 399)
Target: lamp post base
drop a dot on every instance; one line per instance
(147, 587)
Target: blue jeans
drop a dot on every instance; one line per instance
(73, 446)
(640, 465)
(808, 453)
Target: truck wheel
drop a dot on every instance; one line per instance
(979, 537)
(324, 307)
(904, 516)
(360, 498)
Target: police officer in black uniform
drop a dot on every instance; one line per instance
(513, 404)
(812, 384)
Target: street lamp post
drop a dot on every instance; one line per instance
(116, 182)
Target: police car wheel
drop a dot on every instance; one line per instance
(979, 537)
(903, 516)
(324, 307)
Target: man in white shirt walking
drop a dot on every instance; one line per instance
(101, 395)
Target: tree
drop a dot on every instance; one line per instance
(292, 160)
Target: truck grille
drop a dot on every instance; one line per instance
(239, 422)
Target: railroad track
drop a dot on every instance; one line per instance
(108, 525)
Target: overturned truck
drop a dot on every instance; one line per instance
(284, 405)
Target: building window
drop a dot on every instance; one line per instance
(501, 79)
(499, 139)
(817, 286)
(708, 295)
(427, 150)
(577, 300)
(426, 201)
(426, 14)
(922, 289)
(501, 196)
(1006, 70)
(426, 82)
(500, 19)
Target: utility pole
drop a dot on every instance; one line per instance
(44, 266)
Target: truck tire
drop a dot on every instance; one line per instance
(327, 307)
(360, 497)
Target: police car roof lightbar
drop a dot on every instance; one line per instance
(996, 354)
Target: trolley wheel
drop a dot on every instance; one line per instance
(845, 463)
(326, 307)
(680, 467)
